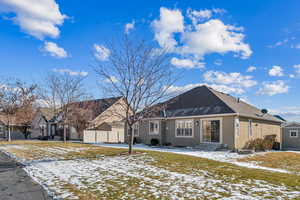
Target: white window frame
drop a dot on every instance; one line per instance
(133, 127)
(237, 126)
(296, 131)
(221, 130)
(184, 120)
(250, 127)
(154, 132)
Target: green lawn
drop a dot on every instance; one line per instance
(282, 160)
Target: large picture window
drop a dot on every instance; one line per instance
(154, 127)
(184, 128)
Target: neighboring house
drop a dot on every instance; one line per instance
(203, 116)
(16, 128)
(44, 124)
(109, 121)
(98, 114)
(291, 136)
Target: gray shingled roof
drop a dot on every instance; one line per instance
(198, 101)
(243, 108)
(292, 124)
(203, 100)
(97, 106)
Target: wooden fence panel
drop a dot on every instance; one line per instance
(90, 136)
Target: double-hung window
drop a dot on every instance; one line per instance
(184, 128)
(135, 129)
(293, 133)
(154, 127)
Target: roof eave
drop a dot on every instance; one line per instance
(194, 116)
(248, 116)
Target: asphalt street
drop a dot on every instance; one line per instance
(15, 184)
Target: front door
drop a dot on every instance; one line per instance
(211, 131)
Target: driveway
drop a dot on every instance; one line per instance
(15, 184)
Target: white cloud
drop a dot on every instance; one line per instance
(297, 68)
(199, 15)
(279, 43)
(170, 22)
(218, 62)
(276, 71)
(186, 63)
(292, 76)
(297, 71)
(233, 79)
(129, 27)
(297, 46)
(214, 36)
(111, 79)
(39, 18)
(219, 87)
(54, 50)
(198, 39)
(273, 88)
(101, 52)
(251, 68)
(70, 72)
(282, 43)
(232, 83)
(289, 113)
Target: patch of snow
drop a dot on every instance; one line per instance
(113, 173)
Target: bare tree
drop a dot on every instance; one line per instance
(59, 92)
(80, 119)
(16, 98)
(141, 74)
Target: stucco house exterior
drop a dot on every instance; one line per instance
(203, 116)
(290, 136)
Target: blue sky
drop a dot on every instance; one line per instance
(250, 49)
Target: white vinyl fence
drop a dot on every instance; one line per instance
(91, 136)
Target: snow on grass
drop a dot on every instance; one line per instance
(222, 156)
(129, 177)
(150, 175)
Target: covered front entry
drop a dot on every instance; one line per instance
(211, 130)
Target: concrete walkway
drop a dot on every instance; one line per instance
(15, 184)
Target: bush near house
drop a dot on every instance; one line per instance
(259, 144)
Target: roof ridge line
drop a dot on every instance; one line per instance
(213, 91)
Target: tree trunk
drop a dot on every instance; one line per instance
(25, 133)
(9, 136)
(130, 143)
(65, 133)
